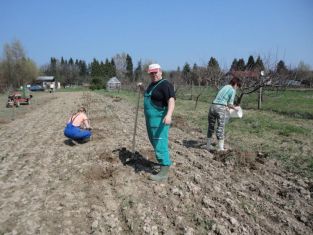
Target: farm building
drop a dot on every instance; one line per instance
(113, 84)
(48, 82)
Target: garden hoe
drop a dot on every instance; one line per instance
(132, 157)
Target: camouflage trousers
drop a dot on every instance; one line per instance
(217, 113)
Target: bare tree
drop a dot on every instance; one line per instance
(252, 81)
(3, 83)
(271, 75)
(120, 64)
(198, 93)
(304, 74)
(215, 78)
(17, 69)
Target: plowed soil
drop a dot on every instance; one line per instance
(49, 185)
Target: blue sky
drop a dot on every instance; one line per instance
(170, 32)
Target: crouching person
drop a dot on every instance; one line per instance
(78, 127)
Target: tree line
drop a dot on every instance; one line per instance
(16, 69)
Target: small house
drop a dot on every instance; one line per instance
(113, 84)
(48, 82)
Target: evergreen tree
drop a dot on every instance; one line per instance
(53, 67)
(250, 63)
(71, 61)
(95, 68)
(102, 72)
(194, 67)
(234, 65)
(89, 69)
(109, 69)
(281, 67)
(213, 65)
(113, 67)
(186, 72)
(82, 68)
(106, 69)
(258, 65)
(129, 67)
(138, 72)
(195, 74)
(241, 64)
(213, 72)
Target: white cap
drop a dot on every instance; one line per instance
(154, 68)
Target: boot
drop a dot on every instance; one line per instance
(208, 145)
(221, 145)
(162, 175)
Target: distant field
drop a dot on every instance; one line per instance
(295, 103)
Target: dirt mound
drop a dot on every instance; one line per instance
(49, 185)
(3, 121)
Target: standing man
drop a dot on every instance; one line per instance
(159, 104)
(224, 100)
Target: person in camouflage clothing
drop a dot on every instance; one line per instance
(217, 113)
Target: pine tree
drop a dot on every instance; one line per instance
(129, 67)
(194, 67)
(82, 68)
(186, 72)
(241, 64)
(258, 65)
(250, 63)
(234, 65)
(281, 67)
(102, 72)
(213, 65)
(53, 66)
(113, 67)
(195, 74)
(138, 71)
(95, 68)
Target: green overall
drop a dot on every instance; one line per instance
(157, 130)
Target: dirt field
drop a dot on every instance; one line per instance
(50, 186)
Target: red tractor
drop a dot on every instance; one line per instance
(16, 99)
